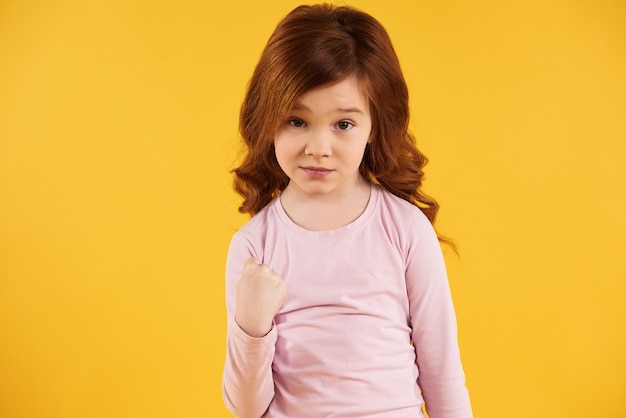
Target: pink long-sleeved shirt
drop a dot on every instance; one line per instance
(368, 327)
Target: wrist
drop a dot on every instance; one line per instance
(254, 329)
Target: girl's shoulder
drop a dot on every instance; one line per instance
(395, 208)
(251, 238)
(404, 222)
(259, 223)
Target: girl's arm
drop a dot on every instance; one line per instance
(441, 377)
(247, 383)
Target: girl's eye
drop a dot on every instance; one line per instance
(296, 123)
(344, 125)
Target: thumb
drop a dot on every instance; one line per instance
(252, 261)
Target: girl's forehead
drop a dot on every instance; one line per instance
(349, 89)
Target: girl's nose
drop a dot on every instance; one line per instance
(319, 145)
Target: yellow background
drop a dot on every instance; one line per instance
(118, 125)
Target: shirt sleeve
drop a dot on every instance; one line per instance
(247, 383)
(434, 328)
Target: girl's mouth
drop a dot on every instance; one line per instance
(317, 172)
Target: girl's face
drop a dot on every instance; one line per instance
(321, 144)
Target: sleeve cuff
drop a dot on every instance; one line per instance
(241, 335)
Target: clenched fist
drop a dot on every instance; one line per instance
(260, 293)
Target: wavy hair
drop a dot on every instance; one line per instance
(314, 46)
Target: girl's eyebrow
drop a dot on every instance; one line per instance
(300, 106)
(350, 110)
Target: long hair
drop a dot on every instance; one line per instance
(314, 46)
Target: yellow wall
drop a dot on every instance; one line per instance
(117, 130)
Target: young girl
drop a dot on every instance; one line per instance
(337, 295)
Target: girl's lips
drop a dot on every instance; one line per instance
(317, 172)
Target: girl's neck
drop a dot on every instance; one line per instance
(329, 211)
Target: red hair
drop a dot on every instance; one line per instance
(315, 46)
